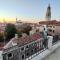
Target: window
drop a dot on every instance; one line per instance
(31, 45)
(4, 57)
(35, 44)
(35, 49)
(53, 31)
(22, 48)
(27, 46)
(27, 54)
(50, 26)
(53, 26)
(22, 56)
(31, 51)
(10, 55)
(50, 30)
(44, 28)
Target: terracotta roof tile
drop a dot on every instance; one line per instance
(28, 39)
(53, 22)
(35, 36)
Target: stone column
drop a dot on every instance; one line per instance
(50, 39)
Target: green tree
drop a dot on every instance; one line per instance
(10, 31)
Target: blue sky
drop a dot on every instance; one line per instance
(29, 8)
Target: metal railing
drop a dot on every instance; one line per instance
(55, 39)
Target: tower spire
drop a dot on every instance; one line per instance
(48, 13)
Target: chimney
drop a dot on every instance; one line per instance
(32, 32)
(16, 36)
(24, 34)
(15, 40)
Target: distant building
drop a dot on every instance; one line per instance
(18, 22)
(53, 27)
(2, 27)
(48, 13)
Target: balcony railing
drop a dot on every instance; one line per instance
(29, 50)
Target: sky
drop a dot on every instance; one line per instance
(28, 9)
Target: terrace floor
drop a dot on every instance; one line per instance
(53, 54)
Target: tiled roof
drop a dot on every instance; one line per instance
(28, 39)
(35, 36)
(22, 40)
(53, 22)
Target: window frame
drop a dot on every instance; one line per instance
(10, 56)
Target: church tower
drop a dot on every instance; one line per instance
(48, 13)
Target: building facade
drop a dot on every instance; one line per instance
(24, 49)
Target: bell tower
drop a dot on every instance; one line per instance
(48, 13)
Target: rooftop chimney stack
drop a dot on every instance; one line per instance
(16, 35)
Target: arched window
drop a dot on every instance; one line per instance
(22, 56)
(10, 55)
